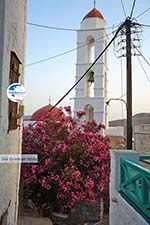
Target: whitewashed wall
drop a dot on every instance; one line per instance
(12, 38)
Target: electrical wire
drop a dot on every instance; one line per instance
(146, 74)
(50, 27)
(98, 57)
(121, 65)
(63, 53)
(65, 29)
(144, 25)
(141, 14)
(123, 8)
(122, 95)
(52, 57)
(142, 55)
(90, 66)
(132, 9)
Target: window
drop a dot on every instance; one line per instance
(13, 78)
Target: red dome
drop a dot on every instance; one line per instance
(94, 13)
(56, 114)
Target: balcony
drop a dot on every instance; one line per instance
(129, 188)
(135, 184)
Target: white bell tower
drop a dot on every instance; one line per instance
(91, 92)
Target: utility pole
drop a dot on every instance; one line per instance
(126, 42)
(129, 83)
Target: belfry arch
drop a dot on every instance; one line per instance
(89, 109)
(89, 84)
(90, 49)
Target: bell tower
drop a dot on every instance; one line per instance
(91, 92)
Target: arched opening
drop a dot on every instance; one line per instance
(89, 89)
(89, 112)
(90, 49)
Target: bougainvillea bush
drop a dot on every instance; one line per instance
(73, 162)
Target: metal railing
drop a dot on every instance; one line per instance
(145, 159)
(135, 184)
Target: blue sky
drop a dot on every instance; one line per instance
(54, 77)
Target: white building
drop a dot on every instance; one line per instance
(91, 92)
(12, 40)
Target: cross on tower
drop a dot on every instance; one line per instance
(94, 3)
(49, 100)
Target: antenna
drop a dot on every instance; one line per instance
(94, 3)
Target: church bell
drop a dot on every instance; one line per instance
(91, 77)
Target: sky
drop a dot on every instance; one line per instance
(52, 79)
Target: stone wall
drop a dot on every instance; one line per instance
(142, 138)
(122, 213)
(12, 38)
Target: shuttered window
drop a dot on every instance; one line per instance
(13, 78)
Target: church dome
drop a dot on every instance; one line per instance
(93, 13)
(55, 114)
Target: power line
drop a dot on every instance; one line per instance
(132, 9)
(147, 76)
(65, 29)
(121, 65)
(124, 11)
(122, 95)
(52, 57)
(50, 27)
(98, 57)
(63, 53)
(144, 25)
(141, 14)
(142, 55)
(90, 66)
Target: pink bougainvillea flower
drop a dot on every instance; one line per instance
(73, 162)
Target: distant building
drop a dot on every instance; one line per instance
(12, 42)
(91, 92)
(26, 120)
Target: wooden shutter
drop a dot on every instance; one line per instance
(13, 78)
